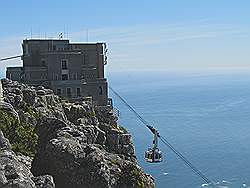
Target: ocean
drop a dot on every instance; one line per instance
(204, 114)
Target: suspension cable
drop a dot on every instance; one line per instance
(13, 57)
(164, 140)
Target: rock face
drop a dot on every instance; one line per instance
(14, 173)
(1, 92)
(79, 145)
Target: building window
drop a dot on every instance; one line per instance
(64, 63)
(78, 92)
(69, 92)
(58, 91)
(74, 76)
(65, 77)
(86, 59)
(100, 90)
(43, 61)
(55, 76)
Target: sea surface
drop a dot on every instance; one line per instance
(204, 114)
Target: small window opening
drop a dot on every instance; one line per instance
(69, 92)
(65, 77)
(100, 90)
(58, 91)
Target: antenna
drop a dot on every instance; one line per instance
(67, 32)
(87, 35)
(31, 33)
(61, 36)
(64, 30)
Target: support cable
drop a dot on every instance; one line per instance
(8, 58)
(164, 140)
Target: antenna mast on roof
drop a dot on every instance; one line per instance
(61, 36)
(87, 35)
(31, 33)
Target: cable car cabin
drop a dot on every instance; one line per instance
(153, 155)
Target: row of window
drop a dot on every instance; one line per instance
(64, 62)
(74, 76)
(69, 92)
(65, 77)
(78, 91)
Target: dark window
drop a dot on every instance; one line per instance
(74, 77)
(100, 90)
(43, 63)
(86, 59)
(54, 47)
(64, 64)
(65, 77)
(78, 92)
(58, 92)
(69, 92)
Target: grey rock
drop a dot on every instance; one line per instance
(4, 143)
(17, 91)
(26, 160)
(7, 107)
(125, 139)
(45, 181)
(39, 88)
(40, 92)
(29, 96)
(15, 174)
(79, 145)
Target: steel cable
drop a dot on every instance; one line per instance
(164, 140)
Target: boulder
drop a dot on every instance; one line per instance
(29, 96)
(72, 155)
(41, 92)
(14, 173)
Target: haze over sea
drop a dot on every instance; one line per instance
(204, 114)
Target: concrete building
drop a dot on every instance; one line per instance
(73, 70)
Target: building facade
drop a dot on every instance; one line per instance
(73, 70)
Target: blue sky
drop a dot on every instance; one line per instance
(141, 35)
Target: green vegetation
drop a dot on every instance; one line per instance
(21, 135)
(63, 99)
(28, 108)
(124, 130)
(91, 113)
(132, 176)
(114, 161)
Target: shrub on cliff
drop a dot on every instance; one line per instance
(21, 135)
(132, 176)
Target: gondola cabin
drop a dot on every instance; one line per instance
(153, 155)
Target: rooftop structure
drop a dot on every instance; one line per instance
(73, 70)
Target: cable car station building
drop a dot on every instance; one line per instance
(73, 70)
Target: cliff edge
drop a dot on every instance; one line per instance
(46, 141)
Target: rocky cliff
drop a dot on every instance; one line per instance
(46, 141)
